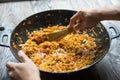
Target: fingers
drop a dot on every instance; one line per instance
(11, 75)
(11, 65)
(11, 68)
(76, 19)
(73, 20)
(23, 57)
(80, 26)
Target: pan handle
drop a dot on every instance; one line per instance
(115, 29)
(4, 37)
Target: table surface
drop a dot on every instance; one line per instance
(12, 13)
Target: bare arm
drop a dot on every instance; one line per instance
(89, 18)
(111, 13)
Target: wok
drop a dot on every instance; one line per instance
(101, 34)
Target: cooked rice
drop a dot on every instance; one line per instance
(70, 53)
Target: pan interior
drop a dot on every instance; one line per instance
(57, 17)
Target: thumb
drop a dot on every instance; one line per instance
(23, 57)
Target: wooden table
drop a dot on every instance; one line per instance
(12, 13)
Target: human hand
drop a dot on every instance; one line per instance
(23, 71)
(84, 19)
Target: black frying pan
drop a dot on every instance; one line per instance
(58, 17)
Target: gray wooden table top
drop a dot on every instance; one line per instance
(12, 13)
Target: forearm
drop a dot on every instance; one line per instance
(89, 18)
(108, 13)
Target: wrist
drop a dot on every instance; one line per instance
(96, 15)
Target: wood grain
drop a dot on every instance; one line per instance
(12, 13)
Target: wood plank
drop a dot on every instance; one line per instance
(13, 13)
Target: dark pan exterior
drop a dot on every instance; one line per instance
(58, 17)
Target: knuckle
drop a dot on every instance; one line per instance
(81, 13)
(71, 19)
(10, 73)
